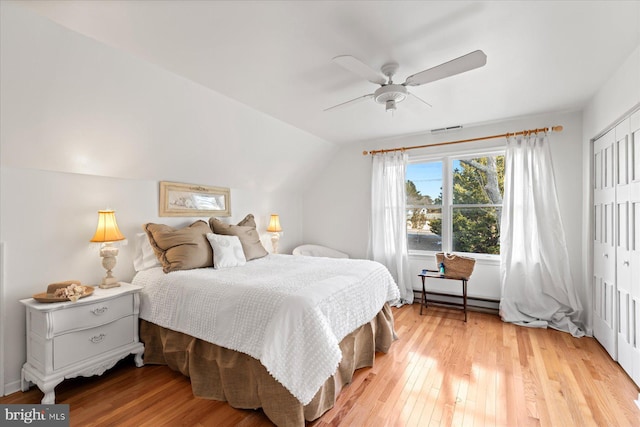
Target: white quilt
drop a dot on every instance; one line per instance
(289, 312)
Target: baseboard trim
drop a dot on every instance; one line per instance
(12, 387)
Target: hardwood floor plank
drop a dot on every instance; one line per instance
(441, 372)
(475, 343)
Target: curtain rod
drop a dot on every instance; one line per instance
(503, 135)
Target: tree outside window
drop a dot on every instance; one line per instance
(473, 214)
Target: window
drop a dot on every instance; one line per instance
(424, 206)
(455, 203)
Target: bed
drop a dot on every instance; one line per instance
(283, 333)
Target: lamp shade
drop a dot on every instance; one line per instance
(107, 230)
(274, 224)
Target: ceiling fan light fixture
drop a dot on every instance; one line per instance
(390, 106)
(390, 92)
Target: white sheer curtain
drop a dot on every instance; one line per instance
(388, 234)
(537, 287)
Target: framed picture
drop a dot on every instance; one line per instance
(177, 199)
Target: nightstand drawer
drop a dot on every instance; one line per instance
(81, 345)
(91, 315)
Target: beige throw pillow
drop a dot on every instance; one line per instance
(181, 249)
(246, 231)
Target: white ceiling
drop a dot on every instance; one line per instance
(275, 56)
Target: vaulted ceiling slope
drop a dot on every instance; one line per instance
(276, 56)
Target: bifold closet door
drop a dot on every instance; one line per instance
(628, 245)
(624, 224)
(634, 195)
(604, 245)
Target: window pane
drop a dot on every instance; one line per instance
(476, 230)
(424, 184)
(424, 227)
(478, 180)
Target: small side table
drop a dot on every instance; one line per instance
(433, 274)
(82, 338)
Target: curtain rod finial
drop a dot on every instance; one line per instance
(365, 152)
(557, 128)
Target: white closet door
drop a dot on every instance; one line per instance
(624, 225)
(604, 245)
(632, 345)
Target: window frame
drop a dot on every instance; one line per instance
(447, 193)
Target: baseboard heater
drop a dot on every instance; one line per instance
(487, 305)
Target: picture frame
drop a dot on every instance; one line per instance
(194, 200)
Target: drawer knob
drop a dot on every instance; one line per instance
(99, 311)
(98, 338)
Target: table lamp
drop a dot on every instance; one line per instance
(107, 233)
(275, 229)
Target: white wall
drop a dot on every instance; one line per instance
(74, 105)
(86, 127)
(336, 206)
(619, 95)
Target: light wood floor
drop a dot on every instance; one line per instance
(441, 372)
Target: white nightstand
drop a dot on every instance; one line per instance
(82, 338)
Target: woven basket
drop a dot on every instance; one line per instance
(456, 265)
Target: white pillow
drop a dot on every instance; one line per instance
(227, 251)
(145, 258)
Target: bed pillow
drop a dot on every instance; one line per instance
(145, 257)
(227, 251)
(246, 231)
(181, 249)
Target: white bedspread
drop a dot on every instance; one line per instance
(288, 312)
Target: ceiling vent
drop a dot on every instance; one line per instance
(447, 129)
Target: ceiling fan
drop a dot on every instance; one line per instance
(390, 93)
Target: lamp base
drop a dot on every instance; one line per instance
(107, 283)
(108, 254)
(275, 238)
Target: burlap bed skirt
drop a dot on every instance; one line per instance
(242, 381)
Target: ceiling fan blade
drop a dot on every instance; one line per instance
(470, 61)
(353, 101)
(419, 99)
(360, 68)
